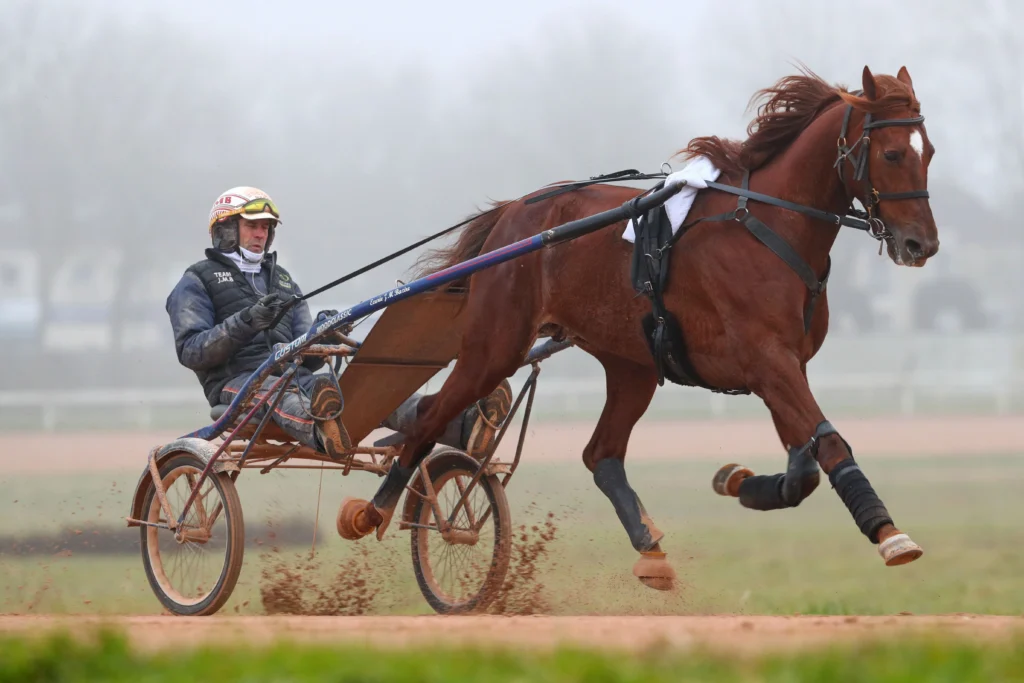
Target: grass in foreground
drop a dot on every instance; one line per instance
(109, 658)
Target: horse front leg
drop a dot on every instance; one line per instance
(813, 441)
(630, 388)
(771, 491)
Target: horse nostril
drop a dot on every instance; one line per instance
(913, 248)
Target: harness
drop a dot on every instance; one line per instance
(653, 243)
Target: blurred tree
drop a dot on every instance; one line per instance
(105, 134)
(991, 34)
(102, 126)
(399, 155)
(577, 100)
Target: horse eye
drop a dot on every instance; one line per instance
(891, 155)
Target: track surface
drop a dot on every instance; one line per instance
(717, 440)
(635, 633)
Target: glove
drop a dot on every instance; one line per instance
(325, 314)
(344, 329)
(263, 312)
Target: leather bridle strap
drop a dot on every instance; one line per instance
(860, 162)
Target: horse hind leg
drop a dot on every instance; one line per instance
(630, 388)
(480, 369)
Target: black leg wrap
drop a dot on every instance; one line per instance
(778, 491)
(610, 477)
(391, 488)
(855, 491)
(801, 475)
(762, 492)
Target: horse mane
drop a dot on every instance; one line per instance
(792, 103)
(469, 244)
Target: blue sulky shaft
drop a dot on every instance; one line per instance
(563, 233)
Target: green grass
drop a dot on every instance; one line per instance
(109, 658)
(965, 512)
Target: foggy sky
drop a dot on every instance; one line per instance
(374, 124)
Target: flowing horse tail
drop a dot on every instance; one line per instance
(469, 244)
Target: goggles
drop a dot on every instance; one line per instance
(261, 205)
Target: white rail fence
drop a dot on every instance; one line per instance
(904, 375)
(50, 410)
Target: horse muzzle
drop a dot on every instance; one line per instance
(909, 247)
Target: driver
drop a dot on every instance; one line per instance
(222, 312)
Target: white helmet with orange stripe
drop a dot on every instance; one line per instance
(249, 202)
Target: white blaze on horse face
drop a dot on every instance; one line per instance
(917, 143)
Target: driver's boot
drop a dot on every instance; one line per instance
(483, 419)
(325, 406)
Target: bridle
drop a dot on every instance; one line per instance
(872, 197)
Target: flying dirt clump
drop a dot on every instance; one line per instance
(522, 593)
(290, 586)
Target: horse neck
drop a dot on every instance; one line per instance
(804, 174)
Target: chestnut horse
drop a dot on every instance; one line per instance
(740, 307)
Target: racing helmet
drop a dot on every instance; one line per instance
(250, 202)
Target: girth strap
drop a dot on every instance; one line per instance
(649, 272)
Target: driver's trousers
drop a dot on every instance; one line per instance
(292, 413)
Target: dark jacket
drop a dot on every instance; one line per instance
(209, 334)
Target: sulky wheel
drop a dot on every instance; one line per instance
(193, 571)
(461, 570)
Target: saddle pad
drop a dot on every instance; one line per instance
(697, 173)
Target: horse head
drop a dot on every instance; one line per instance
(886, 169)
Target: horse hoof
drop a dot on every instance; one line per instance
(654, 571)
(899, 549)
(726, 481)
(352, 522)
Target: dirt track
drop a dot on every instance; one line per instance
(732, 633)
(718, 440)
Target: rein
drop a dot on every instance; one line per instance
(561, 188)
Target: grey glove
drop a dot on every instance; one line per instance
(263, 312)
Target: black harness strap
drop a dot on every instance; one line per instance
(826, 216)
(784, 251)
(770, 238)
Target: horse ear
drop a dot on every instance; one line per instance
(904, 77)
(870, 92)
